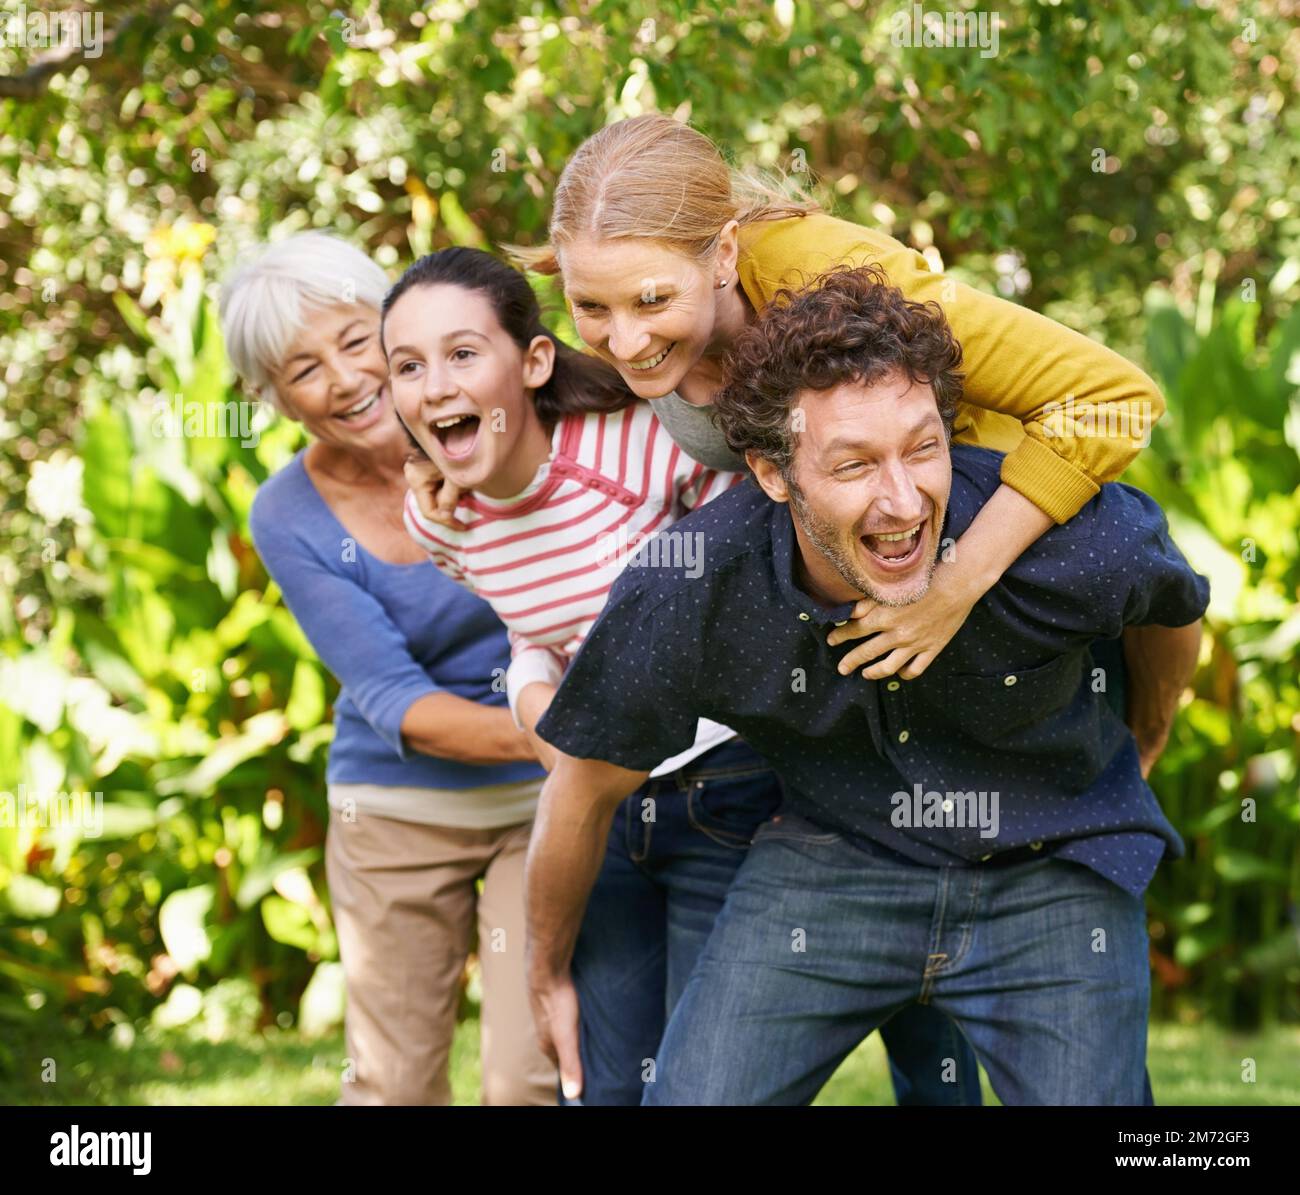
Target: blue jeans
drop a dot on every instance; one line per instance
(673, 851)
(1108, 654)
(1041, 962)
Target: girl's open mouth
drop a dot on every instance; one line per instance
(457, 434)
(895, 551)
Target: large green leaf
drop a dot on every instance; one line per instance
(182, 922)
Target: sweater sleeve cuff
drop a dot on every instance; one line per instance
(388, 725)
(1048, 480)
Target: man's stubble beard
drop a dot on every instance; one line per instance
(825, 538)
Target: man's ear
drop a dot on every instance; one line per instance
(539, 362)
(768, 476)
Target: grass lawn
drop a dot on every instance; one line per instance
(1189, 1065)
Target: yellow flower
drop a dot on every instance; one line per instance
(181, 243)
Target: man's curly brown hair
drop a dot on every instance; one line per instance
(847, 325)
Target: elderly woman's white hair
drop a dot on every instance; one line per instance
(266, 299)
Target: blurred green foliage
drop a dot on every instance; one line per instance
(1130, 170)
(1225, 464)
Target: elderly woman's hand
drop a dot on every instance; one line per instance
(434, 494)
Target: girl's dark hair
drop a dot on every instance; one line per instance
(578, 383)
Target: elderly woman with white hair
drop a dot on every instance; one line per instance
(431, 786)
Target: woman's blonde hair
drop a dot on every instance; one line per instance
(656, 178)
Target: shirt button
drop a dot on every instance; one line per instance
(892, 686)
(1035, 846)
(803, 618)
(1010, 680)
(902, 738)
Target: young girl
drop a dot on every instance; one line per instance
(563, 474)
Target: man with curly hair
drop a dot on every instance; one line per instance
(979, 837)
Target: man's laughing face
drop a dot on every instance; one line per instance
(868, 489)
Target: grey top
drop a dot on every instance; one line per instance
(694, 431)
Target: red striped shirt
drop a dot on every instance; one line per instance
(546, 558)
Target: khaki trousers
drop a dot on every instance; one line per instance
(406, 909)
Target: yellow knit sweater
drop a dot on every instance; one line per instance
(1068, 412)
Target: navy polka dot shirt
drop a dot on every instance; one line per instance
(1004, 747)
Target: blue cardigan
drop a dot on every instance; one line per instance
(390, 633)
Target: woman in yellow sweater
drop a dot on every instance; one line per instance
(665, 253)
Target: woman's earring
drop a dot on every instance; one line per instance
(720, 285)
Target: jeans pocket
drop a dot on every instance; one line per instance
(729, 809)
(794, 828)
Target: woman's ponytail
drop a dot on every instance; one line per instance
(580, 382)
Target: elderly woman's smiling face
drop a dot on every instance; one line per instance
(333, 379)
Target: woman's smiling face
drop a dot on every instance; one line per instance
(649, 311)
(463, 387)
(332, 379)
